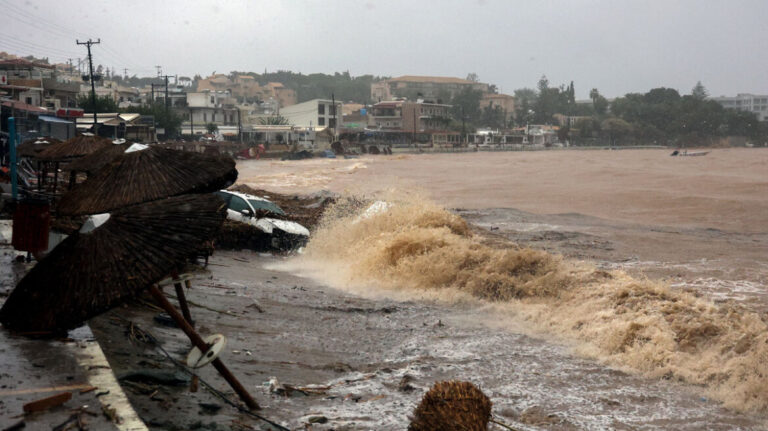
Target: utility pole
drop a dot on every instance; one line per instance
(152, 85)
(125, 73)
(159, 70)
(335, 122)
(166, 90)
(93, 86)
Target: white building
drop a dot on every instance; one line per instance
(210, 107)
(314, 113)
(757, 104)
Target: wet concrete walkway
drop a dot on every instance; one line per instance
(32, 369)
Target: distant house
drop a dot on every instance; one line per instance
(211, 107)
(428, 87)
(414, 122)
(314, 113)
(23, 80)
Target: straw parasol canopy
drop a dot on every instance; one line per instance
(33, 147)
(78, 146)
(143, 174)
(452, 405)
(112, 258)
(98, 159)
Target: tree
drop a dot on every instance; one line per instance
(699, 92)
(467, 103)
(103, 103)
(167, 119)
(473, 77)
(524, 100)
(274, 120)
(211, 127)
(615, 128)
(599, 103)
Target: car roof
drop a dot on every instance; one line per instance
(245, 195)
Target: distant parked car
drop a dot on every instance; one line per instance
(256, 211)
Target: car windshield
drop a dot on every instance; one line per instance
(265, 205)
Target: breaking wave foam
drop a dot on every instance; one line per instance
(644, 325)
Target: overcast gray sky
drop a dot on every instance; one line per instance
(615, 46)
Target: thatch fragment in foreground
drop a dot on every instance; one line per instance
(452, 406)
(89, 273)
(147, 175)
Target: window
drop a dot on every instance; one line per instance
(238, 204)
(332, 110)
(213, 100)
(29, 100)
(321, 109)
(332, 123)
(321, 121)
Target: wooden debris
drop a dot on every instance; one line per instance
(47, 403)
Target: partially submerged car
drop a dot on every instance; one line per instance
(262, 214)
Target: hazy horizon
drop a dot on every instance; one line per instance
(617, 47)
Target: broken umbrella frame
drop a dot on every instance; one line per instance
(185, 324)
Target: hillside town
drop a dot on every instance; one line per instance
(243, 113)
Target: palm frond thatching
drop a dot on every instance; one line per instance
(452, 406)
(78, 146)
(89, 273)
(147, 175)
(33, 147)
(96, 160)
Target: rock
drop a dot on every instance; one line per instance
(209, 408)
(317, 419)
(537, 416)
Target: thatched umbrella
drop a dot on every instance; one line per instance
(143, 174)
(78, 146)
(71, 149)
(452, 406)
(33, 147)
(98, 159)
(102, 265)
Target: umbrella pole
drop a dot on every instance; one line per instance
(200, 344)
(182, 299)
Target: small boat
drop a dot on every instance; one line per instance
(685, 153)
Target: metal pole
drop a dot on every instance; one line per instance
(200, 344)
(12, 148)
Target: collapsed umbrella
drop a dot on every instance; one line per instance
(113, 257)
(143, 174)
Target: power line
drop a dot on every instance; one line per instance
(54, 25)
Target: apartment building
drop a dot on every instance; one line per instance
(757, 104)
(426, 87)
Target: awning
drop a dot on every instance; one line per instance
(48, 119)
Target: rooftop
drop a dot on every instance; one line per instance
(438, 79)
(22, 63)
